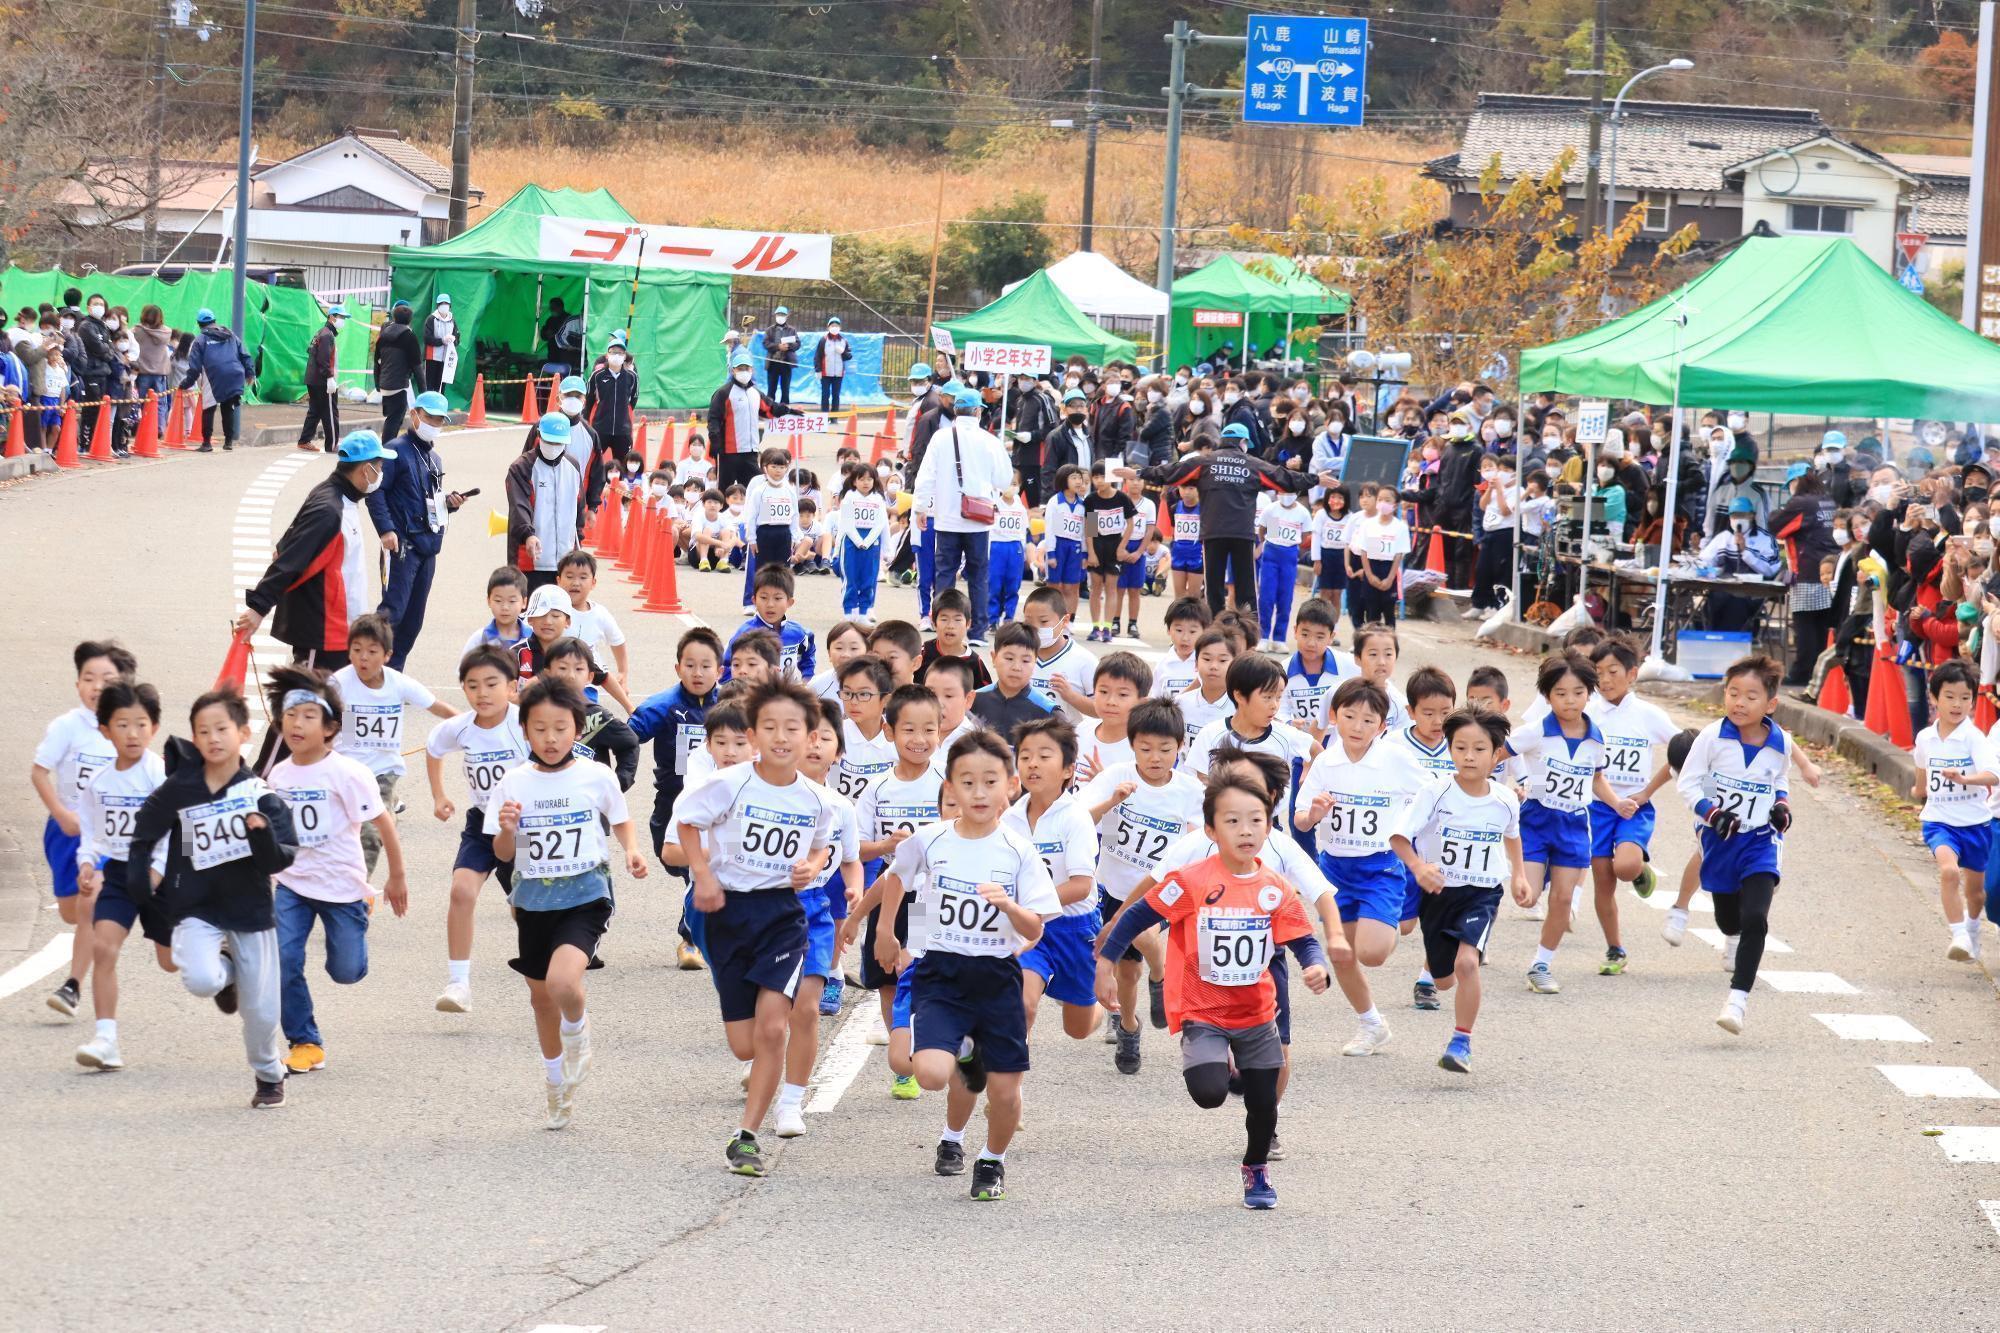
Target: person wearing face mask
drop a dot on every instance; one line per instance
(1858, 573)
(399, 359)
(1067, 444)
(781, 357)
(1291, 436)
(1454, 496)
(323, 382)
(1742, 547)
(545, 510)
(831, 356)
(409, 511)
(1229, 480)
(1116, 423)
(1492, 574)
(440, 345)
(1180, 389)
(218, 354)
(1604, 486)
(1329, 449)
(97, 369)
(1737, 483)
(1238, 409)
(586, 450)
(1198, 423)
(318, 576)
(1155, 442)
(1804, 526)
(1037, 415)
(611, 396)
(1844, 486)
(736, 413)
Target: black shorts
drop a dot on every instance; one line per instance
(475, 852)
(114, 904)
(755, 942)
(1461, 914)
(539, 934)
(1107, 907)
(954, 997)
(1106, 551)
(872, 975)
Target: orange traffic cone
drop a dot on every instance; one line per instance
(100, 437)
(687, 441)
(66, 441)
(1834, 696)
(476, 415)
(852, 439)
(17, 434)
(663, 592)
(634, 548)
(639, 446)
(147, 443)
(885, 444)
(666, 442)
(1888, 708)
(235, 664)
(610, 526)
(530, 413)
(1434, 558)
(1985, 712)
(177, 421)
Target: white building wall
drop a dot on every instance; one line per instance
(1826, 175)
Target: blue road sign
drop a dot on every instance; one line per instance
(1912, 279)
(1305, 71)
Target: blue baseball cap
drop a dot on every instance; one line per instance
(742, 358)
(363, 446)
(554, 427)
(1742, 505)
(1236, 430)
(336, 309)
(204, 316)
(617, 338)
(571, 384)
(920, 371)
(1797, 470)
(965, 396)
(1833, 439)
(432, 403)
(782, 311)
(1075, 396)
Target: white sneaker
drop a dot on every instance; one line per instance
(791, 1122)
(100, 1053)
(743, 1080)
(1368, 1039)
(1675, 928)
(1539, 912)
(456, 999)
(1729, 953)
(1730, 1020)
(1973, 938)
(576, 1058)
(878, 1034)
(559, 1107)
(1960, 950)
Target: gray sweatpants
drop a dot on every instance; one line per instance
(252, 963)
(371, 841)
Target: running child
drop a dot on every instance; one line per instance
(1109, 519)
(1007, 556)
(1422, 747)
(1132, 567)
(373, 697)
(1953, 762)
(950, 681)
(1315, 669)
(1376, 650)
(128, 714)
(1282, 525)
(1186, 559)
(1062, 668)
(773, 596)
(985, 899)
(1013, 697)
(605, 737)
(1062, 963)
(1620, 845)
(951, 618)
(1447, 840)
(73, 749)
(506, 599)
(752, 659)
(224, 834)
(899, 644)
(1224, 917)
(547, 817)
(847, 640)
(1065, 535)
(674, 721)
(490, 742)
(576, 574)
(868, 749)
(1122, 681)
(1186, 618)
(1256, 688)
(332, 798)
(1207, 701)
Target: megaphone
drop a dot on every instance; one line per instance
(496, 523)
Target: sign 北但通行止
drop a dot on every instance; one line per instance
(1008, 358)
(1910, 244)
(800, 423)
(695, 249)
(1593, 419)
(1299, 70)
(1218, 319)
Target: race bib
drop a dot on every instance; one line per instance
(1011, 525)
(312, 814)
(779, 511)
(688, 737)
(1069, 524)
(375, 726)
(893, 819)
(1049, 851)
(1187, 527)
(1285, 531)
(119, 815)
(1946, 791)
(1564, 785)
(555, 844)
(1143, 839)
(772, 840)
(851, 780)
(1308, 701)
(483, 771)
(217, 832)
(1746, 798)
(966, 922)
(1234, 944)
(1471, 856)
(1626, 761)
(1110, 523)
(89, 764)
(1359, 825)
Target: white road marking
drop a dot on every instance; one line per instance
(1711, 936)
(37, 965)
(1807, 983)
(1991, 1207)
(1871, 1027)
(1661, 901)
(844, 1057)
(1939, 1081)
(1967, 1143)
(568, 1328)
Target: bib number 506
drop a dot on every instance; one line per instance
(773, 840)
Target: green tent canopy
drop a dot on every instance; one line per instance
(1792, 324)
(1038, 312)
(1265, 304)
(500, 291)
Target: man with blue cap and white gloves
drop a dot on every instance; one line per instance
(611, 396)
(323, 381)
(440, 345)
(736, 414)
(410, 512)
(781, 356)
(958, 487)
(545, 514)
(218, 354)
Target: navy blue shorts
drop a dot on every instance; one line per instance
(1972, 844)
(1065, 563)
(1186, 558)
(872, 975)
(475, 852)
(1608, 829)
(1065, 958)
(756, 942)
(115, 904)
(955, 997)
(821, 933)
(1460, 914)
(1727, 862)
(1555, 837)
(60, 849)
(1134, 574)
(1371, 887)
(1107, 907)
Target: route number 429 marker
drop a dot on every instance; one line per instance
(1305, 71)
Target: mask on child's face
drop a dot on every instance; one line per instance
(1298, 426)
(572, 404)
(1385, 507)
(1740, 524)
(1048, 634)
(743, 377)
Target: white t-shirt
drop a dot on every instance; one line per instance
(826, 684)
(563, 817)
(1065, 519)
(955, 918)
(1431, 761)
(1134, 833)
(330, 801)
(73, 749)
(1281, 739)
(1281, 853)
(1380, 540)
(1094, 754)
(1330, 534)
(595, 625)
(862, 518)
(1631, 728)
(1172, 674)
(899, 805)
(1010, 523)
(717, 527)
(765, 505)
(693, 469)
(1715, 770)
(371, 719)
(1199, 712)
(1946, 801)
(1463, 836)
(1560, 769)
(1491, 519)
(1368, 793)
(1284, 525)
(756, 830)
(863, 761)
(1066, 840)
(1075, 664)
(109, 808)
(1307, 702)
(488, 753)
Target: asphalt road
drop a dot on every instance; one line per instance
(1614, 1160)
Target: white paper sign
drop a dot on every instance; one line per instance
(802, 423)
(1007, 358)
(941, 339)
(1593, 419)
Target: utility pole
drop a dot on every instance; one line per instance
(239, 255)
(1090, 122)
(1178, 91)
(1597, 28)
(1981, 310)
(461, 122)
(149, 244)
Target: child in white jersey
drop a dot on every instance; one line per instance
(1315, 669)
(1207, 700)
(1421, 744)
(1122, 680)
(1635, 733)
(1187, 617)
(1954, 761)
(373, 699)
(1063, 833)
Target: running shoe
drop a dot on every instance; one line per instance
(269, 1096)
(829, 999)
(1132, 629)
(1542, 981)
(1648, 879)
(989, 1180)
(1257, 1191)
(743, 1155)
(1675, 928)
(1156, 993)
(688, 959)
(905, 1088)
(1730, 1020)
(100, 1053)
(1539, 912)
(1276, 1152)
(305, 1056)
(972, 1070)
(791, 1121)
(576, 1058)
(455, 999)
(65, 998)
(225, 999)
(1729, 953)
(743, 1075)
(1960, 950)
(950, 1159)
(1368, 1039)
(1424, 995)
(1127, 1058)
(1613, 964)
(878, 1034)
(1457, 1055)
(558, 1106)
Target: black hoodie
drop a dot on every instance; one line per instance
(229, 895)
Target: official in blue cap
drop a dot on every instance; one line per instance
(1742, 547)
(611, 397)
(736, 415)
(410, 510)
(585, 449)
(219, 354)
(399, 367)
(318, 576)
(781, 356)
(545, 502)
(323, 381)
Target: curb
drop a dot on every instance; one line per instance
(1879, 755)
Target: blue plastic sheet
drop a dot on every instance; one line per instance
(862, 386)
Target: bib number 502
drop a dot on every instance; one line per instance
(960, 911)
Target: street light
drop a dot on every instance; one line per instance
(1617, 112)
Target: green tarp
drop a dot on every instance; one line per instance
(280, 320)
(1787, 324)
(1268, 294)
(500, 293)
(1038, 312)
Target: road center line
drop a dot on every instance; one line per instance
(37, 965)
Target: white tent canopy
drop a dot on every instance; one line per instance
(1099, 287)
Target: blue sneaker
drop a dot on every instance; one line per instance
(829, 999)
(1457, 1055)
(1257, 1191)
